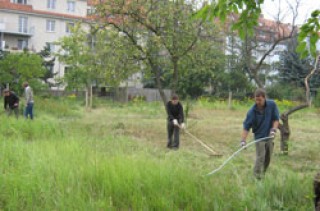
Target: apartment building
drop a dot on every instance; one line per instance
(266, 34)
(33, 24)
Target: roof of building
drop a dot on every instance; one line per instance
(92, 2)
(266, 31)
(7, 5)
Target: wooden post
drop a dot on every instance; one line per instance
(87, 98)
(230, 100)
(91, 97)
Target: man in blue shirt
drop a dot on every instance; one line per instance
(263, 119)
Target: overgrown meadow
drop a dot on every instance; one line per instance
(114, 158)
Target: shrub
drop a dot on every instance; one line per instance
(286, 92)
(316, 100)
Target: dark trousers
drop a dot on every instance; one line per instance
(15, 110)
(29, 111)
(173, 131)
(317, 192)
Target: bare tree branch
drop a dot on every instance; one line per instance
(281, 35)
(306, 80)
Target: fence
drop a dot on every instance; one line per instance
(148, 94)
(122, 94)
(60, 93)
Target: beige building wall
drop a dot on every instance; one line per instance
(61, 6)
(37, 35)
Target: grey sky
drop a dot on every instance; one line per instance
(271, 7)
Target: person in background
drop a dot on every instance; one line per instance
(316, 185)
(263, 118)
(11, 102)
(175, 121)
(29, 100)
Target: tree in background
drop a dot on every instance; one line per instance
(163, 32)
(245, 15)
(15, 68)
(293, 69)
(199, 68)
(308, 38)
(75, 52)
(48, 63)
(98, 56)
(117, 58)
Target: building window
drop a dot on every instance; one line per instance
(51, 4)
(22, 44)
(71, 6)
(20, 1)
(67, 70)
(51, 25)
(69, 27)
(91, 11)
(51, 47)
(23, 24)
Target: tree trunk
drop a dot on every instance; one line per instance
(284, 134)
(159, 86)
(157, 73)
(257, 80)
(317, 192)
(91, 97)
(175, 76)
(285, 128)
(87, 97)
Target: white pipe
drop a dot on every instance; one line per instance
(237, 152)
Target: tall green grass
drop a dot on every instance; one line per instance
(84, 163)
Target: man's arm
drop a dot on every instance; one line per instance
(275, 121)
(247, 125)
(16, 99)
(5, 103)
(273, 131)
(244, 135)
(169, 112)
(275, 124)
(181, 114)
(276, 117)
(27, 92)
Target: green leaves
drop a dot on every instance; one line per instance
(101, 55)
(309, 33)
(203, 13)
(246, 11)
(15, 68)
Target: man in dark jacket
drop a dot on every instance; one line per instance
(11, 102)
(263, 118)
(175, 121)
(317, 192)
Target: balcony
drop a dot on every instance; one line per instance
(12, 28)
(20, 2)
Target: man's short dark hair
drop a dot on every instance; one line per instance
(6, 91)
(174, 97)
(260, 93)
